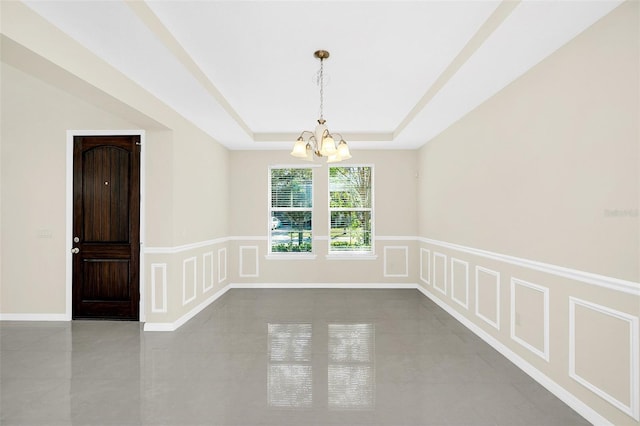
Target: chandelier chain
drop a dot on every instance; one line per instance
(321, 88)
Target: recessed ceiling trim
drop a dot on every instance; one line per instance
(149, 18)
(358, 137)
(491, 24)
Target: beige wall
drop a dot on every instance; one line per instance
(547, 170)
(395, 186)
(539, 170)
(35, 118)
(50, 84)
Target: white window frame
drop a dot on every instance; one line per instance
(290, 255)
(361, 254)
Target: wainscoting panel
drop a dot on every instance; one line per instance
(488, 296)
(189, 279)
(425, 265)
(603, 353)
(158, 287)
(575, 332)
(440, 272)
(207, 271)
(222, 265)
(248, 261)
(530, 316)
(396, 261)
(460, 282)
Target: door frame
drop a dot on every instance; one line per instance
(69, 212)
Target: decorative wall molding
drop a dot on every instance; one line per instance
(207, 271)
(496, 275)
(544, 352)
(222, 264)
(185, 247)
(405, 251)
(425, 255)
(187, 299)
(633, 408)
(162, 291)
(604, 281)
(241, 271)
(464, 303)
(441, 287)
(611, 283)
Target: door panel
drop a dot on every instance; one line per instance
(106, 227)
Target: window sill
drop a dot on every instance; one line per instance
(291, 256)
(351, 256)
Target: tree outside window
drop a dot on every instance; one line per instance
(350, 207)
(291, 209)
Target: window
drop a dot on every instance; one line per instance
(350, 209)
(290, 212)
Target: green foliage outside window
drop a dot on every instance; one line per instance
(291, 205)
(350, 206)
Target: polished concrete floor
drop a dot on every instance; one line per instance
(271, 357)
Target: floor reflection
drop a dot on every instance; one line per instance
(290, 374)
(351, 369)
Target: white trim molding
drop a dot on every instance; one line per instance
(193, 260)
(406, 261)
(222, 265)
(496, 274)
(162, 267)
(186, 247)
(434, 264)
(205, 275)
(426, 278)
(241, 272)
(604, 281)
(34, 317)
(633, 408)
(544, 352)
(465, 303)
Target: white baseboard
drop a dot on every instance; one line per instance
(326, 285)
(35, 317)
(568, 398)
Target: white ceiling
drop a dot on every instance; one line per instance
(399, 72)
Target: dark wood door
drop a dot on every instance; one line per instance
(106, 227)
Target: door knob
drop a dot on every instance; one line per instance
(75, 250)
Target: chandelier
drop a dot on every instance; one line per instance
(321, 142)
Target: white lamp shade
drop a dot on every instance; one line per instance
(328, 146)
(299, 149)
(343, 150)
